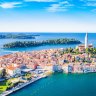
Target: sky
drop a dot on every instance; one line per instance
(47, 15)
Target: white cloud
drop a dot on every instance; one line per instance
(61, 6)
(91, 4)
(87, 0)
(10, 4)
(56, 7)
(39, 0)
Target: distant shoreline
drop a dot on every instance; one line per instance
(17, 36)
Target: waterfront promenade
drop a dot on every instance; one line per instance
(18, 87)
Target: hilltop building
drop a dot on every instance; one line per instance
(82, 47)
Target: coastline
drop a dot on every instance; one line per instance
(33, 80)
(18, 87)
(69, 60)
(21, 86)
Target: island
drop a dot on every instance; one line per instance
(20, 69)
(17, 36)
(39, 43)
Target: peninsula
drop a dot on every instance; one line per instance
(22, 68)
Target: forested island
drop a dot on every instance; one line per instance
(17, 36)
(19, 44)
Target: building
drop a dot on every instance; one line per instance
(57, 68)
(77, 68)
(2, 74)
(65, 68)
(70, 68)
(86, 41)
(82, 47)
(13, 70)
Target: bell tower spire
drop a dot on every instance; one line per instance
(86, 40)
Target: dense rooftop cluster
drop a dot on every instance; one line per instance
(46, 58)
(21, 65)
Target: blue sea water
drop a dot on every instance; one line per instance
(46, 36)
(57, 84)
(61, 85)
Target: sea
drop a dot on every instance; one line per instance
(58, 84)
(47, 36)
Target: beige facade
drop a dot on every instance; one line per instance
(81, 48)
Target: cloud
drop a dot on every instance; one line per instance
(39, 0)
(10, 4)
(92, 4)
(87, 0)
(61, 6)
(89, 3)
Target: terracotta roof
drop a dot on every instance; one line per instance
(10, 67)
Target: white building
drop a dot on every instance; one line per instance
(13, 70)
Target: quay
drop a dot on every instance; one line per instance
(6, 93)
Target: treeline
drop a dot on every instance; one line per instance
(91, 50)
(18, 44)
(17, 36)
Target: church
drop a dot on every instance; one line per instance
(82, 47)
